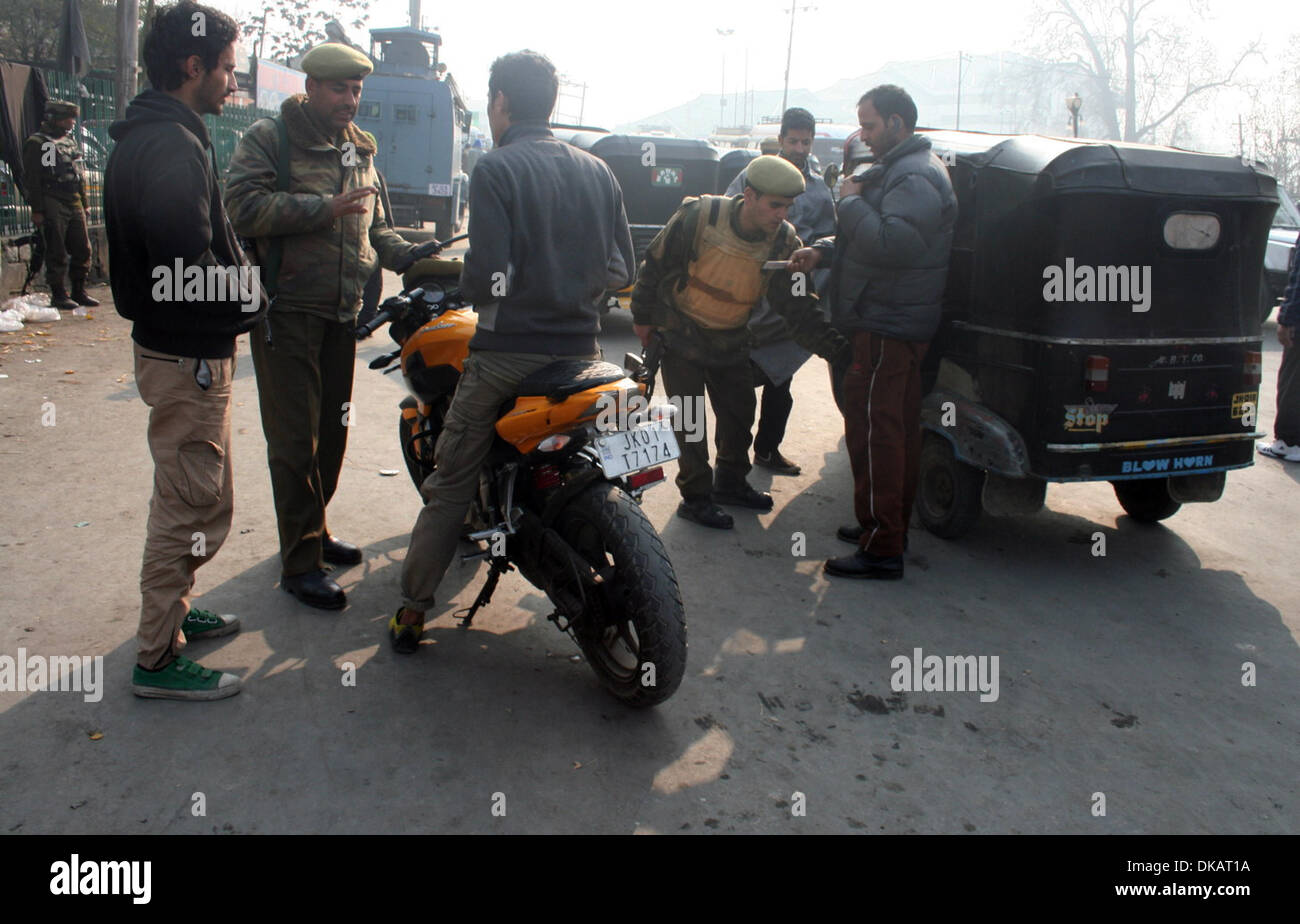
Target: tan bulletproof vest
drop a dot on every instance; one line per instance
(725, 280)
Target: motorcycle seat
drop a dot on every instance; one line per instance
(566, 377)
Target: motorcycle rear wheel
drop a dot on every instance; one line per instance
(632, 629)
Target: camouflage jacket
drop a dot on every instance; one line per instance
(326, 261)
(64, 179)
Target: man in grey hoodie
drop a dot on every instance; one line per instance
(889, 266)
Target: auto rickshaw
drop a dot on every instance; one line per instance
(1100, 323)
(655, 172)
(730, 165)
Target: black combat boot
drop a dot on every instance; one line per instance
(59, 298)
(79, 294)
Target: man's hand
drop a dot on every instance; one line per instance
(850, 187)
(805, 260)
(38, 218)
(349, 203)
(643, 332)
(1286, 336)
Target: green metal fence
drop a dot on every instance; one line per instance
(97, 97)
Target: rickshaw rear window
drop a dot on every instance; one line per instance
(1192, 230)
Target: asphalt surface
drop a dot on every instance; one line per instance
(1119, 675)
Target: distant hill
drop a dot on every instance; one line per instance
(1000, 93)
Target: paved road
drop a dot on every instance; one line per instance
(1119, 675)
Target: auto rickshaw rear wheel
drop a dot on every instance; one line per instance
(1147, 499)
(948, 490)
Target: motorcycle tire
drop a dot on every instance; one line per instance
(634, 632)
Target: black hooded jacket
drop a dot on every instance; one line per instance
(175, 266)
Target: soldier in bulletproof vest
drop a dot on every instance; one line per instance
(54, 178)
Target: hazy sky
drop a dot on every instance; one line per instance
(640, 58)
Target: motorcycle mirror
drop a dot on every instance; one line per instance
(380, 361)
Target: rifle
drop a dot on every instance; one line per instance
(37, 241)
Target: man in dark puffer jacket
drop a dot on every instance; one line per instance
(889, 265)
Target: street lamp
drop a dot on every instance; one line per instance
(722, 96)
(785, 90)
(1074, 104)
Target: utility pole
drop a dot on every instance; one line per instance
(961, 56)
(261, 35)
(722, 92)
(789, 50)
(128, 51)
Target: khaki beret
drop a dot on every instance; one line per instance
(60, 109)
(774, 176)
(336, 61)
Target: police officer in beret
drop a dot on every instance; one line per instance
(317, 242)
(54, 178)
(701, 278)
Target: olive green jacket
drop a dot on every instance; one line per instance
(326, 261)
(64, 180)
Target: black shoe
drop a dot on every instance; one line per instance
(81, 298)
(742, 495)
(774, 461)
(853, 534)
(338, 552)
(316, 589)
(850, 534)
(706, 513)
(862, 565)
(59, 299)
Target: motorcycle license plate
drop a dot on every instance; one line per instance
(635, 449)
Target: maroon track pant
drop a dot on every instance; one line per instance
(882, 427)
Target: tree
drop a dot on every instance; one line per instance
(1139, 73)
(29, 31)
(289, 27)
(1275, 121)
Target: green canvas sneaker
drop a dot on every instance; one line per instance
(207, 624)
(183, 679)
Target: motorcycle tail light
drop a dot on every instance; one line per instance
(643, 478)
(552, 443)
(1254, 369)
(1096, 373)
(546, 477)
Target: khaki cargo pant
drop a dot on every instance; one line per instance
(489, 379)
(67, 244)
(193, 495)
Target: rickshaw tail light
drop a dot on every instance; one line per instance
(1096, 373)
(1254, 370)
